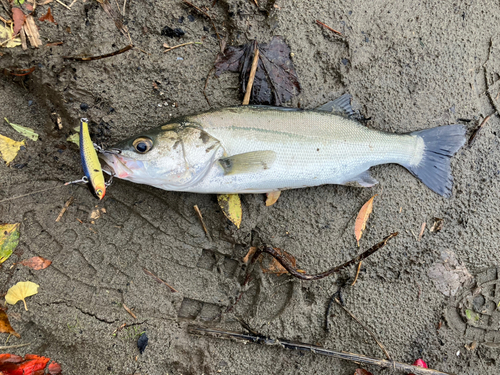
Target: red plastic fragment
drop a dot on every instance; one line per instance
(420, 363)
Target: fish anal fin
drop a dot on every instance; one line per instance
(362, 180)
(340, 106)
(248, 162)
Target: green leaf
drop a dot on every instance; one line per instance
(75, 138)
(9, 238)
(27, 132)
(19, 2)
(471, 315)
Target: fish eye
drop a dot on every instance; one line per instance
(143, 145)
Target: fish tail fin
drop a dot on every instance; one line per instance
(440, 144)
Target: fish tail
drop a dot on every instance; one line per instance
(439, 145)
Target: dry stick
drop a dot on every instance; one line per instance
(357, 273)
(76, 58)
(70, 5)
(251, 78)
(285, 262)
(124, 5)
(14, 346)
(205, 14)
(64, 5)
(129, 311)
(206, 85)
(328, 27)
(63, 210)
(196, 330)
(476, 131)
(366, 329)
(421, 231)
(180, 45)
(160, 280)
(200, 216)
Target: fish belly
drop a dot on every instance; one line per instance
(312, 148)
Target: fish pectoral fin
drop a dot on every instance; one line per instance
(364, 180)
(340, 106)
(248, 162)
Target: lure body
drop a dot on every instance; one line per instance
(90, 161)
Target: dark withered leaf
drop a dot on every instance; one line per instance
(142, 342)
(172, 33)
(276, 80)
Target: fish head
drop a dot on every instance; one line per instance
(171, 157)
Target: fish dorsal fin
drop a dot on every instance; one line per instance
(340, 106)
(364, 180)
(248, 162)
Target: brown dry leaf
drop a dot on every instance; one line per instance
(20, 291)
(437, 226)
(272, 197)
(360, 371)
(250, 254)
(19, 19)
(5, 326)
(276, 267)
(362, 218)
(36, 263)
(48, 17)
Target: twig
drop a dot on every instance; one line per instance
(421, 231)
(196, 330)
(64, 5)
(476, 131)
(366, 329)
(328, 27)
(206, 85)
(251, 78)
(124, 5)
(159, 280)
(357, 274)
(200, 216)
(205, 14)
(74, 1)
(63, 210)
(129, 311)
(285, 262)
(168, 49)
(90, 58)
(14, 346)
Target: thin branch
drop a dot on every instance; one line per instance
(14, 346)
(285, 262)
(200, 216)
(168, 49)
(159, 280)
(90, 58)
(328, 27)
(476, 131)
(205, 14)
(239, 337)
(251, 78)
(357, 274)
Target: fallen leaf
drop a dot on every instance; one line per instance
(250, 254)
(5, 326)
(9, 239)
(27, 132)
(272, 197)
(448, 274)
(276, 268)
(36, 263)
(96, 213)
(19, 18)
(20, 291)
(231, 207)
(437, 226)
(360, 371)
(275, 82)
(55, 368)
(9, 148)
(10, 358)
(30, 365)
(362, 218)
(75, 138)
(48, 17)
(471, 315)
(7, 33)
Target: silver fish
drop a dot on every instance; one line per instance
(260, 149)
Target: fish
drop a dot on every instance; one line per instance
(90, 161)
(264, 149)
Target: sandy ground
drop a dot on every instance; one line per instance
(410, 64)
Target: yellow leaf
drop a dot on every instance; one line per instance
(20, 291)
(9, 238)
(362, 218)
(9, 148)
(75, 138)
(27, 132)
(6, 33)
(231, 206)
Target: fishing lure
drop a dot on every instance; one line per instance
(90, 161)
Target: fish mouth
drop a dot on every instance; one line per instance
(115, 165)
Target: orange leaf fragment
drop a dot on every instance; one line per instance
(5, 326)
(36, 263)
(19, 18)
(361, 371)
(250, 254)
(48, 17)
(275, 267)
(362, 218)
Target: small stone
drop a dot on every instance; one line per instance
(84, 106)
(191, 18)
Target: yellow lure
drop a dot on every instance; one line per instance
(90, 161)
